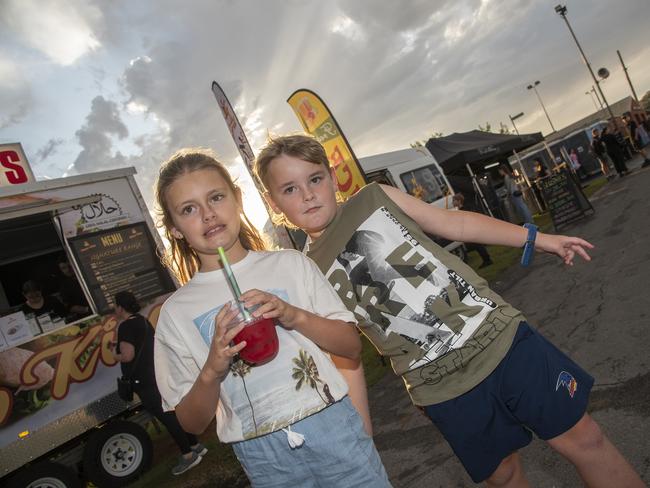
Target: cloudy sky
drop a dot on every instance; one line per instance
(94, 85)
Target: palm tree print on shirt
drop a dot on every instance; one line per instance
(306, 373)
(241, 369)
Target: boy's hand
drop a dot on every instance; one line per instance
(564, 246)
(270, 306)
(221, 352)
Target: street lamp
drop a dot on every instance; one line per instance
(593, 90)
(513, 118)
(591, 95)
(534, 88)
(561, 10)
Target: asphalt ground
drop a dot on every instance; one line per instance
(595, 312)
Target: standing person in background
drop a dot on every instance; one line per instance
(458, 201)
(623, 138)
(71, 293)
(135, 337)
(600, 150)
(515, 194)
(637, 138)
(615, 151)
(540, 172)
(642, 136)
(576, 166)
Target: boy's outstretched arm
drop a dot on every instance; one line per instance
(462, 226)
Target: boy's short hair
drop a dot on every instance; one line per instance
(300, 146)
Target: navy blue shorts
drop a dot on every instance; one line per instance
(536, 388)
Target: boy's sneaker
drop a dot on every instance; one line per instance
(200, 449)
(185, 464)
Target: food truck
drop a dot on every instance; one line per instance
(61, 420)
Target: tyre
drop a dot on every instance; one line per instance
(46, 475)
(117, 454)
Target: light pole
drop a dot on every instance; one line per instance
(591, 95)
(513, 118)
(533, 86)
(627, 75)
(561, 10)
(593, 89)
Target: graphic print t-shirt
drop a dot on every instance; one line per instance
(431, 314)
(300, 381)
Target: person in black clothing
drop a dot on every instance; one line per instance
(71, 293)
(615, 151)
(37, 304)
(458, 201)
(599, 149)
(135, 337)
(540, 172)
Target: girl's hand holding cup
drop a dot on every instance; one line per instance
(221, 352)
(270, 306)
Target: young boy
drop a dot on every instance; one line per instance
(468, 358)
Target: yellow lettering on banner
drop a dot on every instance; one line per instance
(93, 344)
(317, 120)
(348, 179)
(310, 110)
(6, 404)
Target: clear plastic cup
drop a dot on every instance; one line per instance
(261, 341)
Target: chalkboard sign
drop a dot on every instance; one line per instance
(564, 198)
(122, 258)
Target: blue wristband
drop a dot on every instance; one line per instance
(529, 247)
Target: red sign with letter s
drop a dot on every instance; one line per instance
(14, 168)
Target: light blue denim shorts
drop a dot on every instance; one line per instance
(336, 453)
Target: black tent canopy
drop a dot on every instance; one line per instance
(476, 148)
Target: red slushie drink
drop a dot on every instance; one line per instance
(261, 341)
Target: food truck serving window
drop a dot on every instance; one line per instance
(35, 294)
(426, 183)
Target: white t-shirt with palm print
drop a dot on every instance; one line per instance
(300, 381)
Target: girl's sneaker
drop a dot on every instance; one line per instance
(185, 464)
(200, 449)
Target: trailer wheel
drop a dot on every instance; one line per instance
(117, 454)
(46, 475)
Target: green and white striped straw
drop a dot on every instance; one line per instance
(233, 283)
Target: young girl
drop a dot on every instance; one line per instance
(289, 420)
(467, 357)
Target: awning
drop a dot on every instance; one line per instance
(32, 206)
(477, 148)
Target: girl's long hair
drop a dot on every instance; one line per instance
(181, 258)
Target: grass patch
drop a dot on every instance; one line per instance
(594, 185)
(219, 467)
(374, 366)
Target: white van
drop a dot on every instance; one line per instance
(414, 171)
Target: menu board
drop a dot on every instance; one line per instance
(14, 329)
(122, 258)
(564, 198)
